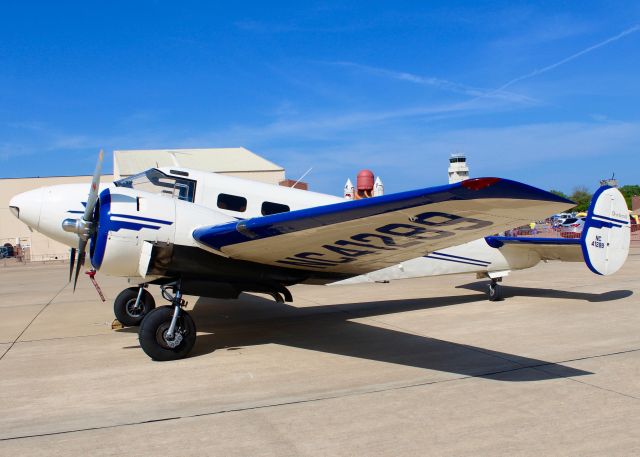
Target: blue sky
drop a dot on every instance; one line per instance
(547, 92)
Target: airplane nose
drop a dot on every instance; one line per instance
(27, 207)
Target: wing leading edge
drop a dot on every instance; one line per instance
(356, 237)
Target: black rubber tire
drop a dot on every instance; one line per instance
(155, 324)
(122, 306)
(494, 292)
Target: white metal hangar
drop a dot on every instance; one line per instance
(238, 162)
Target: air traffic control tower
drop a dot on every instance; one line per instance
(458, 169)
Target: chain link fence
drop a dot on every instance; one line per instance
(546, 230)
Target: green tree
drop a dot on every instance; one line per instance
(559, 193)
(582, 197)
(629, 191)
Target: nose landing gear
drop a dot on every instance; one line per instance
(132, 305)
(168, 332)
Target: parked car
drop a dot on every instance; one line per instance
(558, 219)
(10, 251)
(572, 227)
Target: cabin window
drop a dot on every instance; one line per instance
(274, 208)
(232, 203)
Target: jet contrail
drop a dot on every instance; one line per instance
(633, 29)
(439, 83)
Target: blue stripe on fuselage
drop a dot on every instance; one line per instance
(456, 261)
(140, 218)
(461, 258)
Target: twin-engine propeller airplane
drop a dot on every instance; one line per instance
(206, 234)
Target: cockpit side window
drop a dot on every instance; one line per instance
(157, 182)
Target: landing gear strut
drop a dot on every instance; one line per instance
(495, 290)
(132, 304)
(168, 332)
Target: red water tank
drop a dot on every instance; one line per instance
(365, 180)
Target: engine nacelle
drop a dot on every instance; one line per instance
(130, 220)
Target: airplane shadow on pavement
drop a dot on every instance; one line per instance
(517, 291)
(253, 320)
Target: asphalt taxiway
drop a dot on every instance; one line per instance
(414, 367)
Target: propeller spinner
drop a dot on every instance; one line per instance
(85, 226)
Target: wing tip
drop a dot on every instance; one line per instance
(479, 183)
(519, 187)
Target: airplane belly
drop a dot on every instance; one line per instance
(473, 257)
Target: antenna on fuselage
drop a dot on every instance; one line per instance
(301, 177)
(174, 157)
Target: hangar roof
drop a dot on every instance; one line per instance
(218, 160)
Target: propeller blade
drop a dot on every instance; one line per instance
(95, 188)
(72, 261)
(84, 227)
(82, 245)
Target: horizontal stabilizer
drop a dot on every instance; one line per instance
(563, 249)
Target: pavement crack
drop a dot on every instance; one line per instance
(56, 338)
(595, 386)
(32, 321)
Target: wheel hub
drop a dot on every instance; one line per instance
(165, 341)
(132, 309)
(173, 342)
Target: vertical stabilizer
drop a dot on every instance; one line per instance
(607, 232)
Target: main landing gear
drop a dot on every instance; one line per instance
(495, 290)
(168, 332)
(132, 304)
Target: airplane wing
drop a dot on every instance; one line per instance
(357, 237)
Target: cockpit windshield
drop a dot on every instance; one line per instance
(157, 182)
